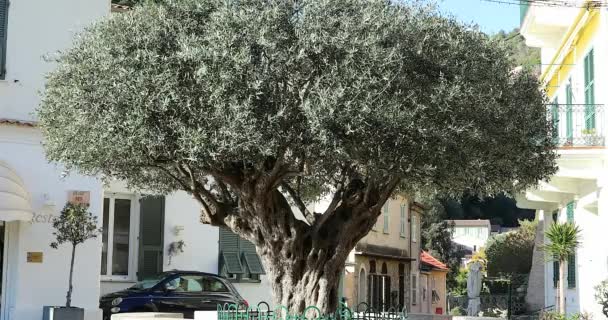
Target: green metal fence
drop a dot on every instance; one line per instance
(263, 312)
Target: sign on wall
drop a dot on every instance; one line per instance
(79, 197)
(34, 257)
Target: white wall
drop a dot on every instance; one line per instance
(202, 248)
(37, 28)
(35, 285)
(471, 240)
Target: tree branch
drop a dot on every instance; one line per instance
(310, 217)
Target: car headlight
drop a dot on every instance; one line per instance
(116, 301)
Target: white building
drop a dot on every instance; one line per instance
(32, 191)
(573, 53)
(471, 234)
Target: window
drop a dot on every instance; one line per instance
(362, 286)
(589, 91)
(569, 115)
(402, 221)
(555, 272)
(239, 261)
(414, 289)
(116, 234)
(414, 228)
(197, 284)
(386, 215)
(555, 120)
(572, 271)
(3, 36)
(570, 212)
(121, 236)
(379, 288)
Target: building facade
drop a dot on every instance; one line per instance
(470, 236)
(145, 235)
(384, 269)
(141, 234)
(32, 190)
(573, 50)
(433, 275)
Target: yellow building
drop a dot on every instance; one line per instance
(383, 270)
(433, 275)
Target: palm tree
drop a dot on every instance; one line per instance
(563, 242)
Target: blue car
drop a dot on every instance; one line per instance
(175, 291)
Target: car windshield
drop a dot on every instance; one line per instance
(149, 283)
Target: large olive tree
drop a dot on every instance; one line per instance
(259, 107)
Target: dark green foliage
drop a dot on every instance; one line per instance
(564, 239)
(74, 225)
(500, 210)
(511, 252)
(383, 89)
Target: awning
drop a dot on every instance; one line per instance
(14, 199)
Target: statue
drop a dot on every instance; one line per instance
(474, 288)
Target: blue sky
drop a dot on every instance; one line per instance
(490, 16)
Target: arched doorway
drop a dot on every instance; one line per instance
(362, 292)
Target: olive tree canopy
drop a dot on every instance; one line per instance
(259, 107)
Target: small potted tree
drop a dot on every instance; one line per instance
(74, 226)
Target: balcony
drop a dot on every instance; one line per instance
(577, 125)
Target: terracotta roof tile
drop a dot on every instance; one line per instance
(14, 122)
(428, 259)
(119, 8)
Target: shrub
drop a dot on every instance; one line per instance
(457, 311)
(601, 296)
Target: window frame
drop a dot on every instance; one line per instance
(133, 235)
(385, 216)
(414, 227)
(4, 40)
(589, 89)
(403, 221)
(414, 288)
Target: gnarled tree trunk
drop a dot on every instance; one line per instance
(303, 255)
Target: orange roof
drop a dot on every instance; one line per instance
(426, 258)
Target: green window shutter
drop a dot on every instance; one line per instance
(402, 221)
(3, 36)
(151, 236)
(555, 272)
(385, 228)
(555, 120)
(570, 212)
(229, 252)
(569, 116)
(589, 91)
(251, 258)
(572, 271)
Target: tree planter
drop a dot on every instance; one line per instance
(62, 313)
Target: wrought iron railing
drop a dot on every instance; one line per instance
(263, 312)
(577, 125)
